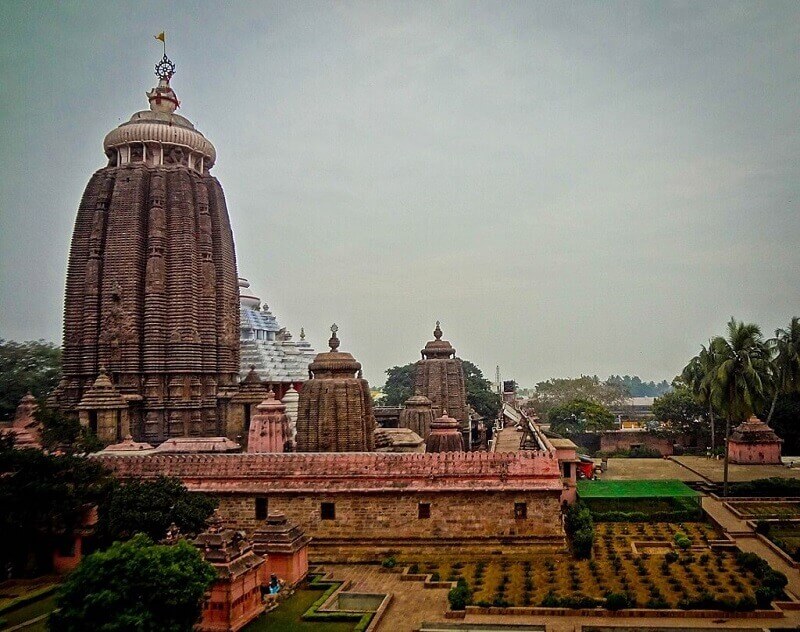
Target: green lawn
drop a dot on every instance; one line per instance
(287, 616)
(28, 612)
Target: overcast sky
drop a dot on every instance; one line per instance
(569, 187)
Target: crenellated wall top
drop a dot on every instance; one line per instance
(348, 471)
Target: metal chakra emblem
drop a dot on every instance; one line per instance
(165, 68)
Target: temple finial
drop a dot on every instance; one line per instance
(302, 333)
(163, 98)
(437, 333)
(333, 343)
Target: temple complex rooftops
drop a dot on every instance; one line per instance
(347, 472)
(228, 551)
(266, 345)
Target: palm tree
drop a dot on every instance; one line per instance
(741, 380)
(786, 365)
(698, 375)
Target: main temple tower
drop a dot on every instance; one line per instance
(151, 292)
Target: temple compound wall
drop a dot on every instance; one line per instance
(355, 506)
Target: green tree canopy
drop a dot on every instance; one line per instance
(149, 507)
(680, 413)
(479, 392)
(33, 366)
(399, 385)
(578, 416)
(786, 363)
(135, 585)
(635, 387)
(560, 391)
(42, 497)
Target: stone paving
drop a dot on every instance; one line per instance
(639, 469)
(411, 604)
(508, 440)
(712, 469)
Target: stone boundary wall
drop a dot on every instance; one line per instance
(348, 472)
(374, 501)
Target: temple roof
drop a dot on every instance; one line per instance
(228, 551)
(103, 395)
(278, 535)
(437, 348)
(268, 346)
(754, 431)
(334, 364)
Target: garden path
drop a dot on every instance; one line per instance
(747, 541)
(411, 604)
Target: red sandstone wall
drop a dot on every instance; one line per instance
(755, 453)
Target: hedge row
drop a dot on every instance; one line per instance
(692, 515)
(333, 617)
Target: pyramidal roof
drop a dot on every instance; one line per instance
(267, 346)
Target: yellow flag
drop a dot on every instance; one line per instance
(160, 36)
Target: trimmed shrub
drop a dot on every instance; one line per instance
(618, 601)
(389, 562)
(460, 596)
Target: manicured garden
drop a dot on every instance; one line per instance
(767, 509)
(672, 568)
(300, 611)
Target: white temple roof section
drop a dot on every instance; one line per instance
(268, 346)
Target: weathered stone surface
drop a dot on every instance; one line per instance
(234, 599)
(417, 415)
(445, 436)
(269, 427)
(439, 376)
(285, 547)
(151, 281)
(335, 407)
(25, 427)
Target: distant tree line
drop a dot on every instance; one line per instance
(636, 388)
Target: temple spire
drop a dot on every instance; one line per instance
(437, 333)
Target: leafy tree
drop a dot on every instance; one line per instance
(699, 377)
(65, 434)
(786, 421)
(33, 366)
(149, 507)
(560, 391)
(43, 497)
(680, 413)
(635, 387)
(399, 385)
(580, 416)
(786, 364)
(479, 392)
(135, 585)
(741, 381)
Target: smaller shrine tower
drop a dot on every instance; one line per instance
(335, 407)
(417, 415)
(440, 377)
(444, 436)
(269, 427)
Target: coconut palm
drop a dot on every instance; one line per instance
(741, 381)
(786, 363)
(698, 375)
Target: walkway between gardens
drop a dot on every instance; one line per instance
(411, 604)
(746, 540)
